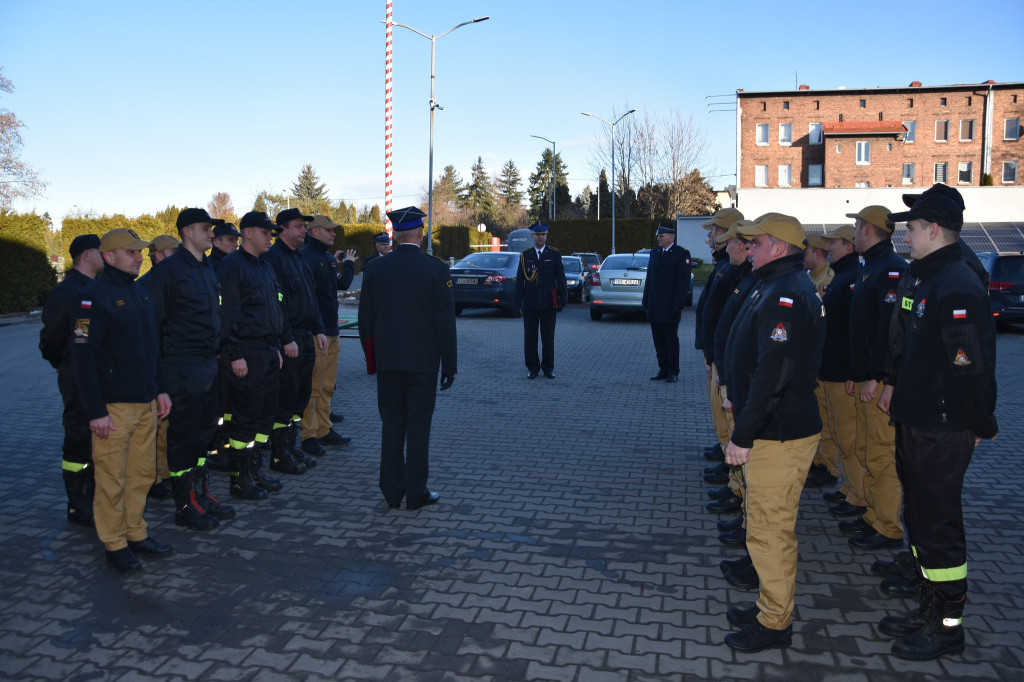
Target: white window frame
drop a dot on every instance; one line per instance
(969, 170)
(863, 184)
(945, 171)
(811, 168)
(1013, 165)
(757, 134)
(971, 122)
(788, 140)
(908, 180)
(814, 134)
(945, 124)
(761, 172)
(864, 153)
(785, 175)
(1015, 126)
(911, 136)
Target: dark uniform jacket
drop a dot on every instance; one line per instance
(369, 259)
(873, 299)
(835, 356)
(729, 313)
(251, 313)
(216, 256)
(327, 282)
(55, 336)
(721, 259)
(295, 277)
(721, 289)
(186, 296)
(773, 354)
(667, 283)
(540, 285)
(406, 308)
(945, 371)
(115, 347)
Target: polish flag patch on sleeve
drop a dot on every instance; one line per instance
(785, 302)
(86, 305)
(894, 275)
(960, 314)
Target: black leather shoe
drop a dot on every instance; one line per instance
(856, 527)
(549, 374)
(161, 490)
(716, 479)
(150, 548)
(742, 617)
(903, 564)
(432, 498)
(730, 505)
(720, 468)
(336, 418)
(124, 561)
(758, 638)
(844, 508)
(744, 578)
(731, 524)
(662, 374)
(834, 496)
(720, 493)
(730, 565)
(734, 538)
(901, 588)
(876, 541)
(671, 378)
(312, 447)
(532, 374)
(334, 438)
(715, 454)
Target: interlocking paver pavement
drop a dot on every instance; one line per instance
(570, 543)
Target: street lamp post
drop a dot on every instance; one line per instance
(552, 212)
(613, 166)
(433, 105)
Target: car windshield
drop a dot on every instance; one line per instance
(496, 261)
(1009, 268)
(626, 261)
(572, 265)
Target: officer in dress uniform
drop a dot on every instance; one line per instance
(382, 246)
(407, 328)
(55, 346)
(225, 241)
(665, 290)
(541, 292)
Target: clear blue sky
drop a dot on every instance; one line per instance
(133, 106)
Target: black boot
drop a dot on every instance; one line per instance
(208, 502)
(160, 490)
(256, 470)
(243, 486)
(300, 453)
(188, 511)
(281, 458)
(80, 486)
(943, 633)
(901, 626)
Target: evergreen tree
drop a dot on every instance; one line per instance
(507, 186)
(478, 197)
(271, 204)
(539, 188)
(375, 215)
(308, 187)
(448, 194)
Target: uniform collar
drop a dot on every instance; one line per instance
(117, 276)
(846, 262)
(779, 267)
(719, 255)
(879, 250)
(936, 260)
(317, 245)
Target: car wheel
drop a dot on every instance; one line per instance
(595, 314)
(585, 296)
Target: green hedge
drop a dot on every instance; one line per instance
(25, 273)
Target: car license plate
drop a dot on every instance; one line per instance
(626, 282)
(465, 280)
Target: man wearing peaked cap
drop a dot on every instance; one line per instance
(972, 260)
(541, 292)
(115, 357)
(665, 290)
(225, 241)
(382, 247)
(407, 328)
(874, 297)
(942, 372)
(772, 357)
(55, 346)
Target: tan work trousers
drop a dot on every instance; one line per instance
(125, 464)
(775, 478)
(736, 484)
(163, 471)
(316, 420)
(718, 415)
(842, 425)
(828, 450)
(876, 448)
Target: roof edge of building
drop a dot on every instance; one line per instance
(880, 89)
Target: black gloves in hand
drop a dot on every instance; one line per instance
(446, 381)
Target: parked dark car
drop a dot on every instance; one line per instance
(1006, 285)
(590, 259)
(577, 279)
(485, 280)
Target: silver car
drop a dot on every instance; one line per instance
(619, 285)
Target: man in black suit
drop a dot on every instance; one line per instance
(382, 244)
(540, 293)
(407, 328)
(665, 289)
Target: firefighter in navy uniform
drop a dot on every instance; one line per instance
(382, 244)
(943, 403)
(252, 323)
(55, 346)
(665, 290)
(225, 241)
(186, 295)
(541, 292)
(772, 357)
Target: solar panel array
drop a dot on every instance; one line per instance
(981, 237)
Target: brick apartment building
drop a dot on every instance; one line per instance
(881, 137)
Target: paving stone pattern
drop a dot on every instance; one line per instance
(571, 542)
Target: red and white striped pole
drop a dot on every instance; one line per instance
(387, 120)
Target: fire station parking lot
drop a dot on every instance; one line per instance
(570, 543)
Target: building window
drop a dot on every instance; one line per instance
(762, 134)
(967, 130)
(764, 106)
(1011, 129)
(863, 153)
(814, 133)
(908, 174)
(863, 104)
(840, 118)
(942, 131)
(814, 175)
(968, 100)
(839, 148)
(911, 127)
(940, 172)
(785, 175)
(817, 103)
(1009, 171)
(942, 101)
(862, 185)
(785, 104)
(760, 176)
(785, 134)
(910, 103)
(1015, 99)
(965, 172)
(888, 147)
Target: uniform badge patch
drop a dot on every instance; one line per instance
(119, 303)
(449, 284)
(960, 314)
(852, 286)
(890, 297)
(920, 308)
(907, 304)
(779, 333)
(961, 359)
(81, 333)
(894, 275)
(785, 303)
(86, 305)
